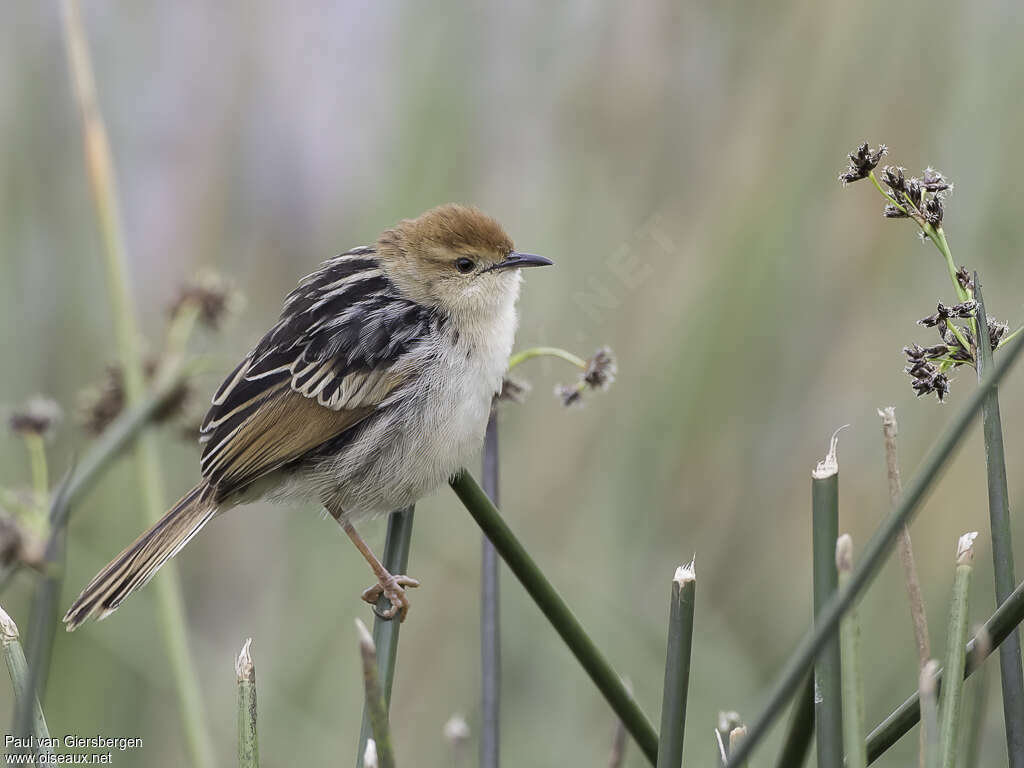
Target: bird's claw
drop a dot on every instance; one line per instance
(393, 588)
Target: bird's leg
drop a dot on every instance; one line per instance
(389, 585)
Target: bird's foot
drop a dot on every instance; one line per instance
(393, 588)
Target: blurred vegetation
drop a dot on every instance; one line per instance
(678, 162)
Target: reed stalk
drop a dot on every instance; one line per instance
(376, 703)
(17, 667)
(928, 690)
(828, 708)
(248, 743)
(852, 676)
(977, 700)
(557, 612)
(1011, 674)
(102, 177)
(490, 628)
(677, 666)
(956, 637)
(878, 547)
(385, 631)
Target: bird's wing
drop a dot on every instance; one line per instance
(340, 351)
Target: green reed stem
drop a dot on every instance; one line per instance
(874, 555)
(385, 631)
(978, 699)
(852, 676)
(999, 626)
(17, 666)
(800, 728)
(1011, 674)
(956, 637)
(490, 634)
(376, 705)
(248, 743)
(828, 708)
(557, 612)
(928, 689)
(677, 667)
(167, 588)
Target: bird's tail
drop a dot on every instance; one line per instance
(131, 569)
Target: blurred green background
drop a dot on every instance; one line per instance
(679, 163)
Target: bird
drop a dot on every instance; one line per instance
(372, 388)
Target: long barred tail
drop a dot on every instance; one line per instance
(131, 569)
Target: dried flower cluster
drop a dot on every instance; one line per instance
(212, 295)
(862, 162)
(598, 375)
(38, 416)
(100, 405)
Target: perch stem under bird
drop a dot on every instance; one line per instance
(371, 390)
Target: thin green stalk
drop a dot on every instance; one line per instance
(996, 629)
(490, 634)
(37, 464)
(248, 743)
(44, 613)
(928, 689)
(17, 666)
(557, 612)
(1002, 547)
(532, 352)
(376, 705)
(800, 729)
(852, 677)
(167, 589)
(956, 637)
(828, 708)
(878, 547)
(677, 666)
(385, 631)
(977, 702)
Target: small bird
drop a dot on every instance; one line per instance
(370, 391)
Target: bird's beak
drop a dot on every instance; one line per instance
(519, 260)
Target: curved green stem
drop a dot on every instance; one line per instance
(527, 354)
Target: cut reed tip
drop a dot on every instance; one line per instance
(686, 574)
(8, 629)
(365, 638)
(965, 548)
(244, 667)
(829, 466)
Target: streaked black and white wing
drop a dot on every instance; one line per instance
(333, 358)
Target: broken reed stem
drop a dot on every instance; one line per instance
(800, 728)
(996, 629)
(928, 690)
(827, 665)
(557, 612)
(102, 178)
(677, 666)
(852, 678)
(915, 600)
(248, 744)
(956, 637)
(736, 737)
(376, 706)
(17, 667)
(385, 631)
(490, 635)
(792, 673)
(905, 548)
(1002, 547)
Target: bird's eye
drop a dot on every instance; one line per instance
(464, 265)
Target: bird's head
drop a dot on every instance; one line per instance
(456, 258)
